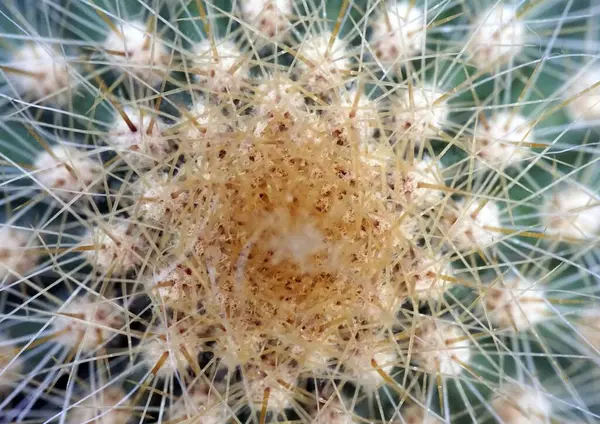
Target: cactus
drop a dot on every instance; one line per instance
(262, 211)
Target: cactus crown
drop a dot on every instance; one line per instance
(280, 211)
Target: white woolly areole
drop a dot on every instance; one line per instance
(384, 302)
(353, 123)
(277, 98)
(270, 17)
(154, 197)
(407, 192)
(200, 405)
(522, 405)
(68, 172)
(586, 105)
(140, 148)
(499, 143)
(441, 347)
(469, 224)
(315, 356)
(415, 117)
(279, 103)
(515, 304)
(11, 366)
(497, 36)
(200, 123)
(88, 324)
(213, 72)
(45, 74)
(320, 67)
(424, 272)
(116, 248)
(572, 212)
(104, 407)
(171, 349)
(138, 52)
(334, 412)
(398, 34)
(259, 378)
(195, 125)
(358, 360)
(158, 198)
(237, 350)
(17, 255)
(379, 155)
(177, 288)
